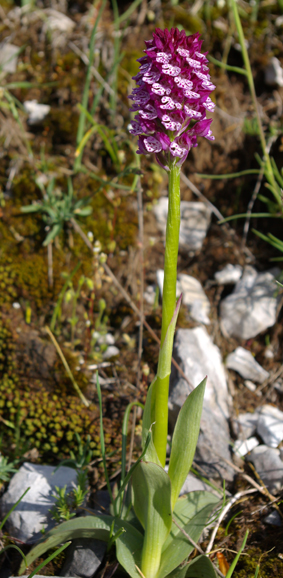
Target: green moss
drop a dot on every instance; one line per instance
(270, 564)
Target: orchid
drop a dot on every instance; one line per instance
(154, 530)
(172, 97)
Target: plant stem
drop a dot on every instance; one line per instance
(160, 429)
(171, 251)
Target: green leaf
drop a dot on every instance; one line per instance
(52, 234)
(129, 549)
(84, 212)
(148, 414)
(152, 505)
(84, 527)
(185, 439)
(191, 513)
(200, 567)
(97, 527)
(35, 208)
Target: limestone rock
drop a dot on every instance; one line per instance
(32, 514)
(83, 558)
(252, 306)
(242, 361)
(198, 357)
(268, 465)
(270, 425)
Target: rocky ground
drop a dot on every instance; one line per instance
(230, 323)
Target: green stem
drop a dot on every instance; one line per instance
(171, 251)
(160, 429)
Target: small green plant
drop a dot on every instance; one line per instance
(58, 208)
(6, 469)
(67, 503)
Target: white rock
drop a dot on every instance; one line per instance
(198, 357)
(270, 425)
(241, 448)
(273, 74)
(250, 385)
(149, 295)
(194, 296)
(111, 351)
(268, 465)
(246, 424)
(32, 514)
(58, 21)
(36, 112)
(242, 361)
(8, 57)
(195, 220)
(107, 339)
(252, 306)
(229, 275)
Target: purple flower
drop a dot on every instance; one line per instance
(172, 97)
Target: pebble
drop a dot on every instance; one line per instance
(242, 361)
(83, 558)
(32, 514)
(246, 425)
(229, 275)
(273, 74)
(36, 112)
(268, 465)
(241, 448)
(270, 425)
(111, 351)
(252, 307)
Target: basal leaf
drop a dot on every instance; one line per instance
(185, 439)
(200, 567)
(191, 513)
(152, 505)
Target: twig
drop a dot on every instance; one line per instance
(127, 297)
(222, 515)
(198, 548)
(67, 368)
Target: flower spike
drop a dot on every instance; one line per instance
(172, 97)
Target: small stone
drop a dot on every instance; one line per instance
(36, 112)
(33, 514)
(268, 465)
(107, 339)
(246, 424)
(58, 21)
(250, 385)
(193, 484)
(229, 275)
(269, 352)
(273, 519)
(273, 74)
(149, 295)
(111, 351)
(195, 298)
(252, 307)
(241, 448)
(83, 558)
(270, 425)
(8, 57)
(242, 361)
(195, 220)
